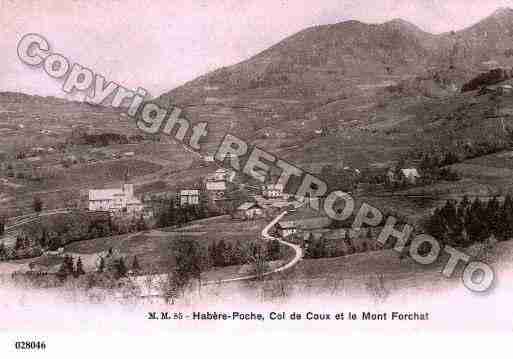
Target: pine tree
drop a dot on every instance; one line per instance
(368, 235)
(461, 214)
(37, 205)
(476, 226)
(168, 214)
(436, 225)
(79, 269)
(228, 254)
(211, 250)
(44, 238)
(20, 243)
(449, 213)
(3, 252)
(121, 269)
(62, 273)
(367, 242)
(135, 265)
(219, 260)
(238, 255)
(101, 265)
(492, 216)
(188, 259)
(464, 204)
(68, 261)
(141, 224)
(273, 250)
(426, 164)
(66, 268)
(506, 219)
(313, 248)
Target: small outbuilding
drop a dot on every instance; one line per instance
(286, 228)
(410, 175)
(248, 211)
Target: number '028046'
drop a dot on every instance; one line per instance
(30, 345)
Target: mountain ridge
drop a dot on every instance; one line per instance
(397, 44)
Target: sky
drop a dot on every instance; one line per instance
(160, 44)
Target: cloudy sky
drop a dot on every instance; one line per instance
(159, 45)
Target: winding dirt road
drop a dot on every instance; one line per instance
(142, 280)
(265, 234)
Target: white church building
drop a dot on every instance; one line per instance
(120, 200)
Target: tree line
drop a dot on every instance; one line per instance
(322, 247)
(170, 214)
(450, 156)
(466, 222)
(222, 254)
(191, 259)
(53, 234)
(110, 265)
(488, 78)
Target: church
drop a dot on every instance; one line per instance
(116, 200)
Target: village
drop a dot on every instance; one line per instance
(219, 192)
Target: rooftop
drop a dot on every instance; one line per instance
(302, 213)
(186, 192)
(105, 194)
(248, 205)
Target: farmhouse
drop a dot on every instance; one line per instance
(497, 89)
(37, 150)
(220, 175)
(312, 234)
(286, 228)
(248, 210)
(189, 197)
(410, 175)
(216, 190)
(404, 175)
(273, 190)
(115, 200)
(216, 185)
(208, 158)
(216, 182)
(304, 220)
(353, 239)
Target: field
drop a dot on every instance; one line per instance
(356, 275)
(483, 177)
(496, 160)
(98, 174)
(154, 248)
(57, 191)
(222, 224)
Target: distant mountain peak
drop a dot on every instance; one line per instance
(503, 11)
(398, 22)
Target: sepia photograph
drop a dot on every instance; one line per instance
(180, 172)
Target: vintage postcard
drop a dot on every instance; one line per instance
(184, 169)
